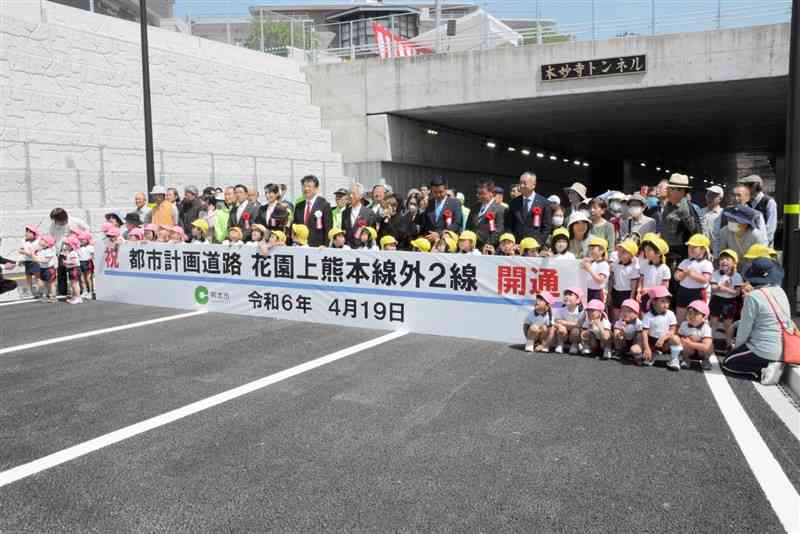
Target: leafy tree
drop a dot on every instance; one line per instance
(278, 33)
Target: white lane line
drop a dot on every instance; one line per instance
(76, 451)
(99, 332)
(781, 406)
(780, 493)
(15, 302)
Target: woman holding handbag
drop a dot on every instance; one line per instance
(766, 337)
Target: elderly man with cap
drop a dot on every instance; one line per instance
(637, 223)
(164, 212)
(762, 203)
(679, 220)
(191, 208)
(739, 233)
(342, 198)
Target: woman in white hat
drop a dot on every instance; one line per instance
(576, 193)
(578, 226)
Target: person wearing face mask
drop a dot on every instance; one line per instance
(558, 217)
(739, 232)
(637, 222)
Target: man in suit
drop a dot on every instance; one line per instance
(529, 214)
(314, 211)
(487, 219)
(442, 213)
(244, 214)
(357, 215)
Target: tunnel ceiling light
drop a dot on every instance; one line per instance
(491, 144)
(539, 155)
(576, 162)
(585, 164)
(512, 149)
(526, 152)
(553, 157)
(565, 160)
(658, 168)
(643, 164)
(667, 171)
(432, 132)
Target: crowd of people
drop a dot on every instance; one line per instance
(662, 271)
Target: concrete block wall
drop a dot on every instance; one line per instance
(73, 130)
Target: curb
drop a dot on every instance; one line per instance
(791, 380)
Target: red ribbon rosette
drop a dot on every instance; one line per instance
(490, 217)
(246, 219)
(448, 217)
(537, 216)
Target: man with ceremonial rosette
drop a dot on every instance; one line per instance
(529, 214)
(443, 213)
(244, 214)
(314, 212)
(487, 219)
(356, 216)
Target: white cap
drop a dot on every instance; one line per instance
(717, 190)
(554, 199)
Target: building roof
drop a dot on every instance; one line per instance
(373, 8)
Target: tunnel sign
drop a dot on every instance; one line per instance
(594, 68)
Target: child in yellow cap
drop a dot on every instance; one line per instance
(366, 238)
(597, 269)
(624, 276)
(388, 242)
(726, 288)
(421, 244)
(199, 231)
(235, 237)
(300, 235)
(337, 239)
(506, 245)
(467, 241)
(559, 244)
(693, 275)
(654, 271)
(529, 247)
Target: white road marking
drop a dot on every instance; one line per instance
(779, 490)
(15, 302)
(99, 332)
(76, 451)
(781, 406)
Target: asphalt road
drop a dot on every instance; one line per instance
(421, 433)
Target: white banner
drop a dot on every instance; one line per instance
(481, 297)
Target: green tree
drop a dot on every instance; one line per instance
(549, 35)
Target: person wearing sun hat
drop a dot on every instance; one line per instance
(421, 244)
(300, 235)
(559, 244)
(627, 331)
(597, 269)
(578, 200)
(679, 220)
(596, 330)
(739, 233)
(529, 247)
(624, 276)
(506, 244)
(388, 242)
(636, 223)
(659, 326)
(726, 291)
(759, 343)
(337, 238)
(578, 226)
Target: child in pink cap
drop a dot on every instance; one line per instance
(177, 235)
(47, 259)
(596, 330)
(27, 250)
(628, 331)
(658, 329)
(538, 325)
(150, 232)
(72, 263)
(86, 255)
(111, 242)
(696, 336)
(136, 234)
(567, 319)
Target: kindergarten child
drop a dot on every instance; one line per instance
(235, 237)
(726, 288)
(136, 234)
(300, 235)
(87, 263)
(528, 247)
(28, 249)
(70, 252)
(467, 241)
(693, 274)
(162, 235)
(538, 324)
(420, 244)
(597, 269)
(567, 320)
(559, 243)
(628, 331)
(654, 272)
(150, 232)
(200, 231)
(624, 276)
(177, 235)
(366, 238)
(696, 337)
(47, 259)
(258, 234)
(596, 330)
(658, 329)
(111, 243)
(388, 242)
(505, 245)
(338, 239)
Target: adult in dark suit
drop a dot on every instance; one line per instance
(356, 215)
(244, 213)
(529, 214)
(443, 213)
(314, 211)
(487, 219)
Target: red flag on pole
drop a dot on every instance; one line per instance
(391, 45)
